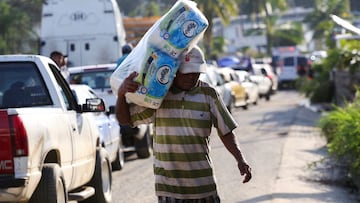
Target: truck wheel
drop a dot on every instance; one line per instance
(143, 145)
(267, 97)
(119, 162)
(101, 179)
(51, 187)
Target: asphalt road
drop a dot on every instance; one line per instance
(261, 134)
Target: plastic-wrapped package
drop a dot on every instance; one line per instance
(178, 28)
(155, 77)
(156, 56)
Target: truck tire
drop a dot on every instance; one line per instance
(51, 188)
(101, 179)
(119, 162)
(143, 145)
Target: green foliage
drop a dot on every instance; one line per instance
(148, 9)
(318, 91)
(288, 35)
(349, 56)
(342, 129)
(135, 7)
(218, 47)
(320, 22)
(320, 88)
(17, 21)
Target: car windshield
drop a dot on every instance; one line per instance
(95, 79)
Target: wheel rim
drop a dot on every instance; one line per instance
(105, 176)
(121, 155)
(61, 198)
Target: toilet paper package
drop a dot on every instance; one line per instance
(179, 28)
(156, 57)
(155, 77)
(156, 71)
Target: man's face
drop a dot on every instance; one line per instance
(59, 60)
(186, 81)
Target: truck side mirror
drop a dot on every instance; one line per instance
(93, 105)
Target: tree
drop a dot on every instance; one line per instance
(144, 8)
(320, 21)
(264, 9)
(223, 9)
(288, 34)
(18, 19)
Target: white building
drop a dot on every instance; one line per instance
(243, 33)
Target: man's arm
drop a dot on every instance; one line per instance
(231, 145)
(122, 107)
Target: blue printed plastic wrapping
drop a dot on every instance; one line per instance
(156, 56)
(179, 28)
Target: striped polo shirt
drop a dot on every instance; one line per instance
(182, 126)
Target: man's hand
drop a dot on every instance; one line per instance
(245, 170)
(128, 85)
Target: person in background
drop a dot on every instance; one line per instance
(182, 127)
(61, 61)
(126, 49)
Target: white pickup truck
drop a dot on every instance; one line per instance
(49, 146)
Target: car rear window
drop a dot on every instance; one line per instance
(289, 61)
(21, 85)
(95, 79)
(302, 61)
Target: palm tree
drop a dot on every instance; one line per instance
(320, 21)
(257, 8)
(223, 9)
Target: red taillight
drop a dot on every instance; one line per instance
(20, 137)
(6, 150)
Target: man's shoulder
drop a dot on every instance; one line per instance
(205, 85)
(206, 88)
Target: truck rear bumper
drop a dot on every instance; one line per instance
(13, 190)
(10, 182)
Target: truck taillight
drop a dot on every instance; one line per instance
(6, 152)
(20, 137)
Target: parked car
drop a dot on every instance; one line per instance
(137, 138)
(268, 72)
(213, 78)
(251, 87)
(238, 92)
(263, 81)
(293, 67)
(237, 63)
(107, 125)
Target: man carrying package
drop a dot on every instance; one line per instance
(156, 56)
(182, 127)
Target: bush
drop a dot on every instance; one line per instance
(342, 129)
(320, 88)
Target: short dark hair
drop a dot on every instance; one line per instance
(127, 48)
(57, 53)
